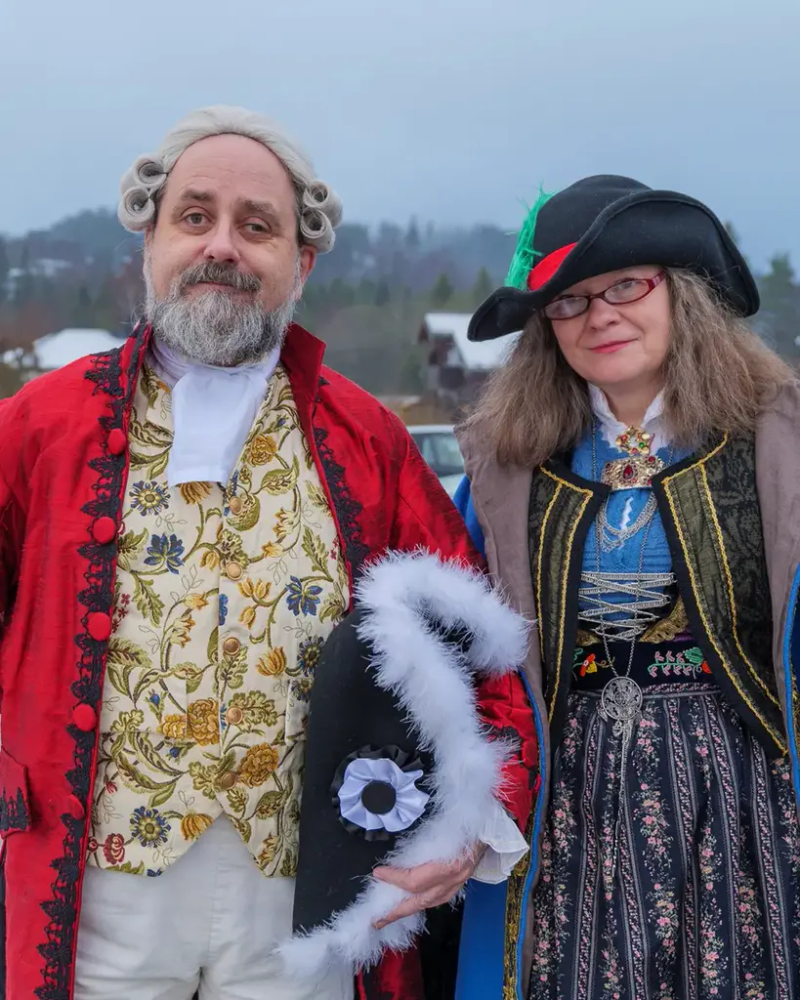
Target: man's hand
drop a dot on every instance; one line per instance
(431, 885)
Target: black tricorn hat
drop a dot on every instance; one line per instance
(399, 768)
(607, 223)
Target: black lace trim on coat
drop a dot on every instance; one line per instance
(348, 510)
(14, 813)
(62, 909)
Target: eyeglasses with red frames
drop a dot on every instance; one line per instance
(618, 294)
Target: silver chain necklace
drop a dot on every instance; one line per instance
(618, 536)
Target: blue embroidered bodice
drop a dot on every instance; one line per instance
(623, 507)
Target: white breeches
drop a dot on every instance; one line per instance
(208, 924)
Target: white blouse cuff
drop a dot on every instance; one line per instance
(505, 845)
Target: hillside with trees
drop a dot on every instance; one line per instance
(366, 299)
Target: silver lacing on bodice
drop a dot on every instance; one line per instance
(625, 620)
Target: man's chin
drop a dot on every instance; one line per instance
(214, 327)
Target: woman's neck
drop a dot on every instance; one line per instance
(629, 404)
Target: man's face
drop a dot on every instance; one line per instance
(222, 263)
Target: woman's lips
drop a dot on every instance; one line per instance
(611, 346)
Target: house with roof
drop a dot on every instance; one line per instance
(55, 350)
(455, 367)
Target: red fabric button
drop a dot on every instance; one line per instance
(104, 529)
(75, 807)
(116, 441)
(84, 717)
(99, 625)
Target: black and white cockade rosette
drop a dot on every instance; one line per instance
(377, 793)
(398, 766)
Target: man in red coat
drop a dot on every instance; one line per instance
(106, 739)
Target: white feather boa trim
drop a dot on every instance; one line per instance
(434, 684)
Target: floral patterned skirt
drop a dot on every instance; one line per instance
(684, 885)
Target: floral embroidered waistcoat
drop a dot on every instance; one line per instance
(224, 597)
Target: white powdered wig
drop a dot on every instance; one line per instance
(319, 209)
(433, 681)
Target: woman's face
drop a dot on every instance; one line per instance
(622, 344)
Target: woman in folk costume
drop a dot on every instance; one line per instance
(633, 477)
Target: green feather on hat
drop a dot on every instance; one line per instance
(524, 258)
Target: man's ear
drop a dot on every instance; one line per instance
(308, 258)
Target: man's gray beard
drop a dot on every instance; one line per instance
(215, 327)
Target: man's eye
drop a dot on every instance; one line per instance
(195, 218)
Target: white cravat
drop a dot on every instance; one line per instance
(213, 410)
(653, 421)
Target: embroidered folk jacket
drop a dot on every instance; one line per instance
(64, 470)
(731, 513)
(710, 511)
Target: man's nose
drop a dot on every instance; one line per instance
(221, 248)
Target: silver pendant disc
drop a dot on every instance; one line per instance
(621, 700)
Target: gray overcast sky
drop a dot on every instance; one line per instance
(450, 111)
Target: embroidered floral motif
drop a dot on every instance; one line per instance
(149, 498)
(686, 663)
(149, 827)
(302, 690)
(262, 449)
(222, 613)
(258, 764)
(273, 663)
(302, 597)
(165, 553)
(193, 824)
(203, 722)
(308, 655)
(194, 492)
(113, 848)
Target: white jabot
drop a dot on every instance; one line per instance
(612, 428)
(213, 410)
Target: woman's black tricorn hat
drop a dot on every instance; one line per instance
(607, 223)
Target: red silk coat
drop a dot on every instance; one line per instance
(63, 474)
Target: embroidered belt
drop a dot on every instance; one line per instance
(653, 663)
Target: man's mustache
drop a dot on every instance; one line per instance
(218, 274)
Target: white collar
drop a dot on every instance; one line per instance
(213, 411)
(653, 421)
